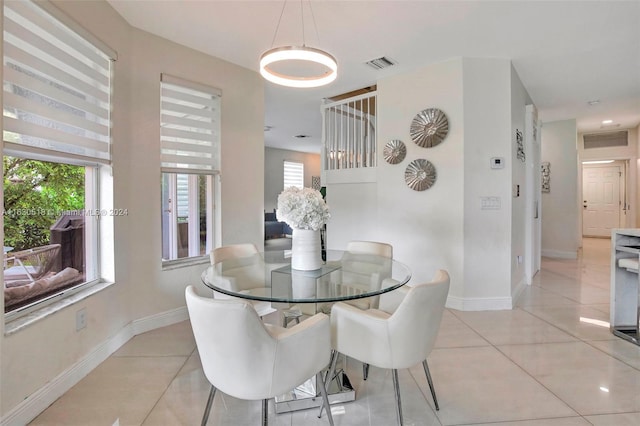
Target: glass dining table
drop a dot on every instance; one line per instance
(355, 278)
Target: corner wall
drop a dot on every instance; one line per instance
(487, 232)
(43, 352)
(445, 225)
(560, 212)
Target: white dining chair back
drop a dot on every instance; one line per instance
(240, 268)
(241, 263)
(248, 360)
(233, 251)
(400, 334)
(414, 324)
(370, 247)
(365, 265)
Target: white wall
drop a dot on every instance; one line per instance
(487, 233)
(32, 357)
(425, 228)
(519, 100)
(444, 226)
(560, 212)
(636, 133)
(273, 172)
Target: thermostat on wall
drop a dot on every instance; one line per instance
(497, 163)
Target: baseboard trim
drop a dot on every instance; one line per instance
(480, 303)
(559, 254)
(517, 291)
(163, 319)
(37, 402)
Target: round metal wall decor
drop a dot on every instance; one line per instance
(394, 151)
(429, 127)
(420, 174)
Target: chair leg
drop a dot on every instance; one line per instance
(289, 315)
(433, 391)
(365, 371)
(396, 385)
(207, 410)
(265, 412)
(329, 376)
(325, 398)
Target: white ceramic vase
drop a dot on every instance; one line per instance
(306, 251)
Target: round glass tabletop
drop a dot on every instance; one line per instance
(269, 277)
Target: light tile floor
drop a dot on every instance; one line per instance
(540, 364)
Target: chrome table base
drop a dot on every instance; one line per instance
(307, 395)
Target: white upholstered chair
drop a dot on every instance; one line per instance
(247, 359)
(239, 267)
(400, 334)
(362, 270)
(365, 264)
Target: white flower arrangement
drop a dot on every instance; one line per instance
(302, 208)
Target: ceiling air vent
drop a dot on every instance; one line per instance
(606, 140)
(380, 63)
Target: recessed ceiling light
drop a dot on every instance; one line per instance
(607, 121)
(594, 102)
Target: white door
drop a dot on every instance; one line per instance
(601, 200)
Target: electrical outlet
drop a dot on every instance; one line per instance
(81, 319)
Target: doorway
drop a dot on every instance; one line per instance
(603, 200)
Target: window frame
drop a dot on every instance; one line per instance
(92, 235)
(183, 134)
(193, 207)
(292, 167)
(82, 52)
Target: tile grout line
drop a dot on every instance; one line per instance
(170, 383)
(522, 369)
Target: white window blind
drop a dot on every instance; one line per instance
(293, 174)
(57, 86)
(190, 127)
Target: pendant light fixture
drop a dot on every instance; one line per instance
(281, 55)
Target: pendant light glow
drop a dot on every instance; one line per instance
(293, 53)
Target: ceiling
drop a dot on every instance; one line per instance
(566, 53)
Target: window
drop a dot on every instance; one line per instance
(187, 201)
(57, 103)
(190, 146)
(293, 174)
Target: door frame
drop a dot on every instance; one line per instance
(533, 194)
(627, 195)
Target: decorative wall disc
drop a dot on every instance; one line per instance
(420, 174)
(394, 151)
(429, 127)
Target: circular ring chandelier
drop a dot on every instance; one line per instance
(293, 53)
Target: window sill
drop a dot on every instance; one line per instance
(14, 325)
(183, 263)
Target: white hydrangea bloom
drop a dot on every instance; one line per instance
(302, 208)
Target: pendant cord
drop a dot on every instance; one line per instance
(313, 18)
(273, 42)
(302, 19)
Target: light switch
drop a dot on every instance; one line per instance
(490, 203)
(497, 163)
